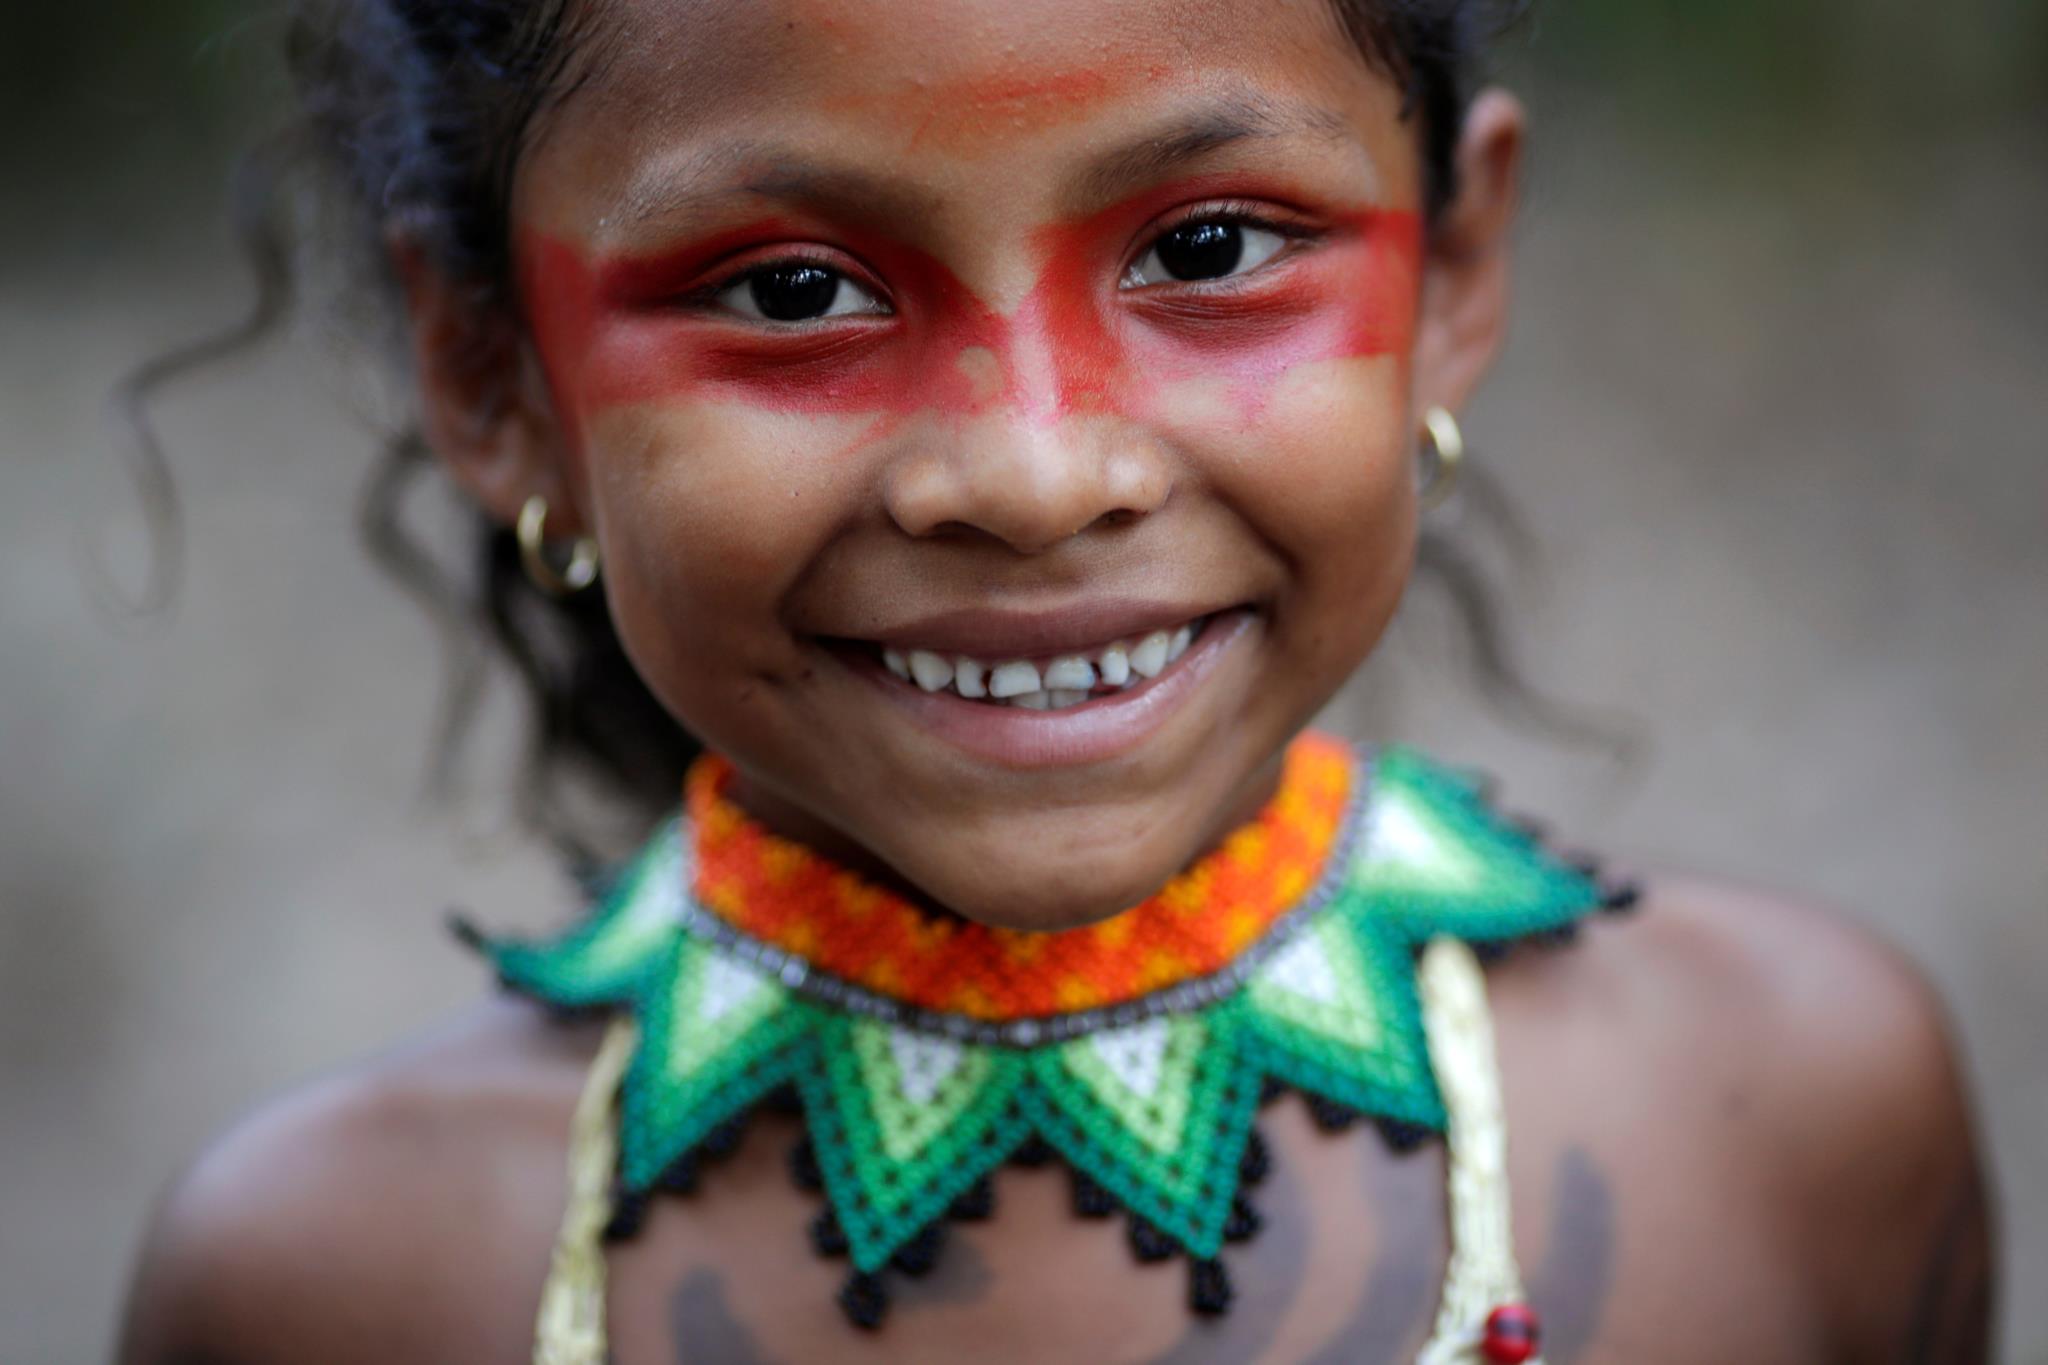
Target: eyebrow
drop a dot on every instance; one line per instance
(781, 172)
(767, 171)
(1189, 137)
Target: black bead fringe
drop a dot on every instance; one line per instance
(864, 1299)
(864, 1296)
(1032, 1153)
(1091, 1200)
(1148, 1243)
(1329, 1115)
(917, 1256)
(1403, 1138)
(1209, 1291)
(976, 1203)
(1244, 1221)
(803, 1167)
(828, 1239)
(629, 1213)
(681, 1175)
(1257, 1162)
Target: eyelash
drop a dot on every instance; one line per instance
(706, 295)
(1239, 214)
(1236, 214)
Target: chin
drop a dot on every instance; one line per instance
(1024, 894)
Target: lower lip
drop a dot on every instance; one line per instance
(1093, 732)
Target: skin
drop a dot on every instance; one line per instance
(1802, 1188)
(1017, 433)
(1780, 1165)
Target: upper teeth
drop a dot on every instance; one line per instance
(1060, 683)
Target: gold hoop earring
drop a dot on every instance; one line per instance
(578, 574)
(1443, 453)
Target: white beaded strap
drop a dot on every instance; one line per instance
(570, 1329)
(1482, 1275)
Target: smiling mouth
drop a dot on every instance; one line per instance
(1048, 682)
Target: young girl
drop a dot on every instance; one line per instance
(994, 431)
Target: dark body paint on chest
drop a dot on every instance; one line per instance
(1395, 1308)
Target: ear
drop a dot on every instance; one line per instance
(1465, 275)
(484, 406)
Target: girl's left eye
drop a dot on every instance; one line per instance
(1205, 249)
(797, 292)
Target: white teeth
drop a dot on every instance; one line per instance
(1148, 660)
(1014, 680)
(1072, 673)
(1067, 681)
(933, 674)
(968, 679)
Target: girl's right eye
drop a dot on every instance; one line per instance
(797, 291)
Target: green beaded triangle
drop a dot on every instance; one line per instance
(1334, 1013)
(899, 1142)
(1154, 1104)
(626, 935)
(716, 1035)
(1440, 860)
(1158, 1113)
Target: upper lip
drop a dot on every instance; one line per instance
(984, 633)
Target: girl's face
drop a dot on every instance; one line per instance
(1059, 349)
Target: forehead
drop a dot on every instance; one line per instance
(940, 97)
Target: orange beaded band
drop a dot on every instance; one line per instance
(782, 894)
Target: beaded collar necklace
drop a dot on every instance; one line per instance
(925, 1053)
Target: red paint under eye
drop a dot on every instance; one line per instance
(1353, 292)
(625, 330)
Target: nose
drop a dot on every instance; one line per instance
(1029, 484)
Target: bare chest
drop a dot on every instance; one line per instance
(1627, 1262)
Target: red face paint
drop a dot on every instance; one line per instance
(1353, 292)
(960, 115)
(626, 330)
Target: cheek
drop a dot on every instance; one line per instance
(707, 512)
(1323, 474)
(1293, 333)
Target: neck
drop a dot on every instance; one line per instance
(789, 820)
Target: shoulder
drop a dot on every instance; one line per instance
(1741, 963)
(1810, 1003)
(312, 1217)
(1816, 1060)
(1796, 997)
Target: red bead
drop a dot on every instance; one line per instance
(1513, 1334)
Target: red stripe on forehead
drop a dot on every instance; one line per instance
(965, 113)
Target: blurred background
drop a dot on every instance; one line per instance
(1774, 412)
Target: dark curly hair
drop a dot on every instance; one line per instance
(413, 115)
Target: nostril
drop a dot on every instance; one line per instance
(1027, 488)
